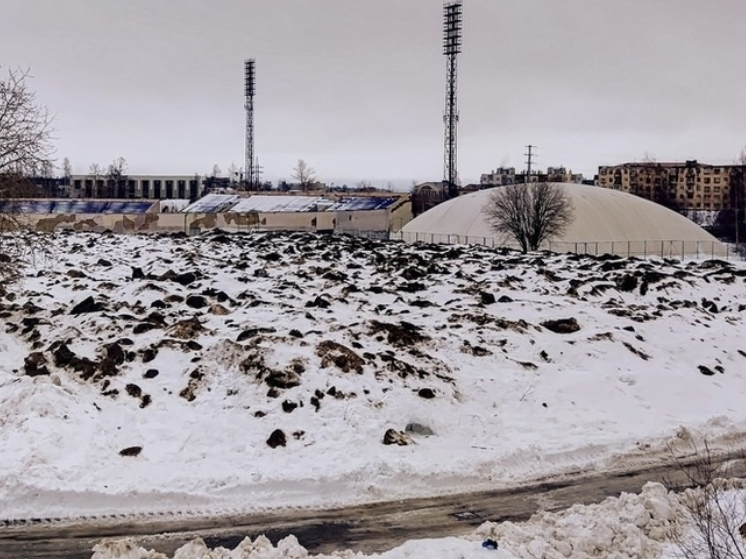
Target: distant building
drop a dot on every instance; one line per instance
(683, 186)
(426, 196)
(503, 176)
(133, 187)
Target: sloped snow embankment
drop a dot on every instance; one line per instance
(144, 374)
(628, 527)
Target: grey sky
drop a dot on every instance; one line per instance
(356, 87)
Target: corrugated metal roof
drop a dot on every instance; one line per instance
(212, 203)
(275, 204)
(362, 203)
(75, 206)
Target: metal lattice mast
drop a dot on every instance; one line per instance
(530, 156)
(452, 33)
(249, 90)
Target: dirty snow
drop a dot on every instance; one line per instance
(192, 352)
(628, 527)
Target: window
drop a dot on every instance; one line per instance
(157, 189)
(717, 180)
(169, 189)
(145, 185)
(182, 189)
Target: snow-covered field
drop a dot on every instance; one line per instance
(652, 525)
(148, 373)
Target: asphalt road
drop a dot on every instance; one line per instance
(369, 528)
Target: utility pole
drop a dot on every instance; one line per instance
(529, 161)
(736, 227)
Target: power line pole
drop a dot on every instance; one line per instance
(530, 154)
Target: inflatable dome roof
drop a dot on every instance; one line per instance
(606, 221)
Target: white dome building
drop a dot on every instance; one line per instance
(606, 221)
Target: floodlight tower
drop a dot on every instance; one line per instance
(452, 33)
(249, 89)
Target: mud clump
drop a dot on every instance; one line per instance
(394, 437)
(131, 451)
(277, 438)
(340, 356)
(403, 334)
(187, 329)
(87, 305)
(35, 365)
(562, 326)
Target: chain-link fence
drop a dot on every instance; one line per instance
(639, 249)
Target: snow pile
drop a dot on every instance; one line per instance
(628, 527)
(234, 373)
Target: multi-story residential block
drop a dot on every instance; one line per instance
(503, 176)
(684, 186)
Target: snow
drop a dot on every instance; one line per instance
(513, 401)
(628, 527)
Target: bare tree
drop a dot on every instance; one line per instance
(95, 172)
(25, 146)
(216, 171)
(25, 127)
(304, 174)
(234, 174)
(715, 508)
(116, 178)
(529, 214)
(365, 185)
(67, 168)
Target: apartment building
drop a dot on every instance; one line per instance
(503, 176)
(689, 185)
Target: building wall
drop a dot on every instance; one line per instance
(685, 186)
(153, 187)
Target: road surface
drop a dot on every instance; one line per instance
(368, 528)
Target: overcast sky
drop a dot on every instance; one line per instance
(357, 87)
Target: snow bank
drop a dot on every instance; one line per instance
(628, 527)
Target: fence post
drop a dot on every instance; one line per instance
(697, 250)
(644, 250)
(628, 247)
(612, 248)
(683, 245)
